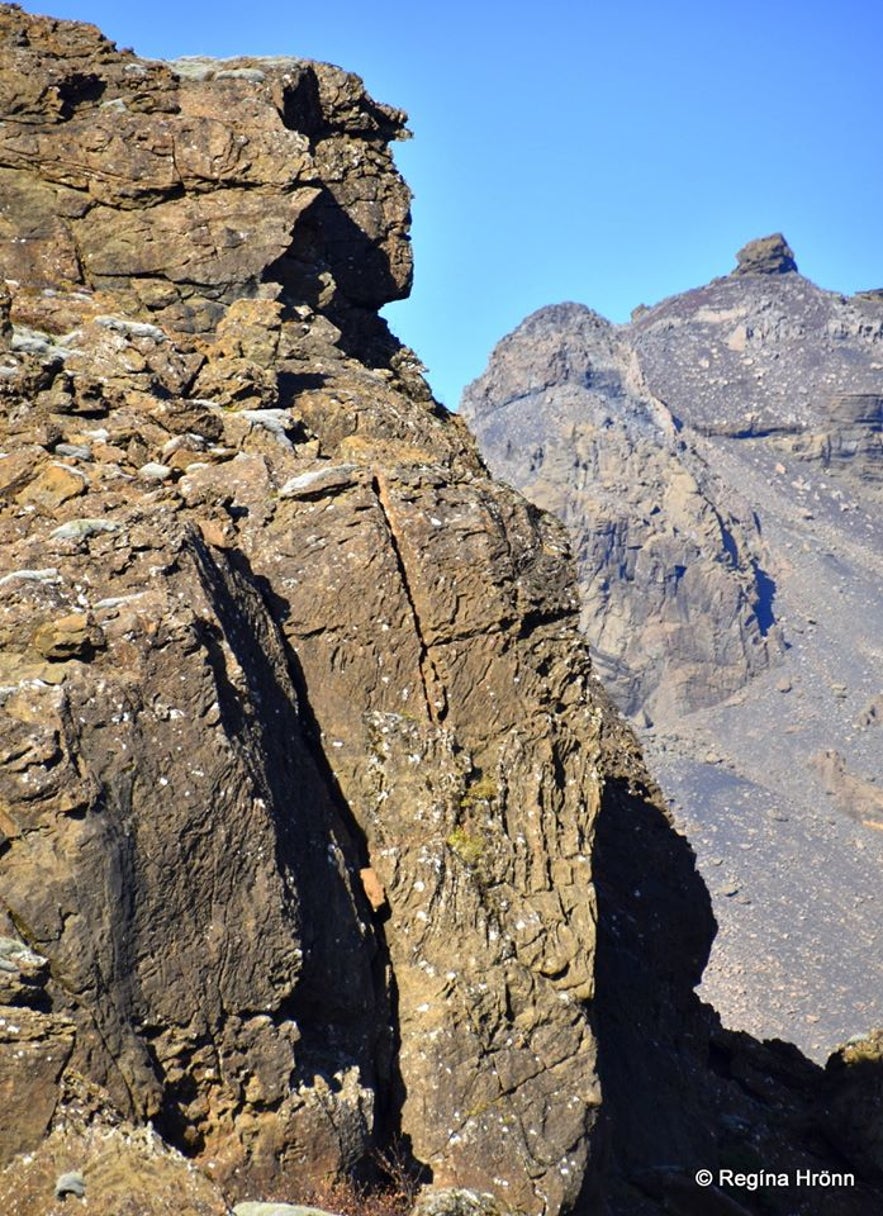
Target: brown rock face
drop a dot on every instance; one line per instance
(35, 1047)
(268, 628)
(766, 255)
(183, 186)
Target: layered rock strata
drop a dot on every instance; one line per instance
(672, 575)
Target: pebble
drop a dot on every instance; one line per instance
(70, 1184)
(153, 471)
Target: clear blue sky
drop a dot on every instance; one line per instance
(612, 153)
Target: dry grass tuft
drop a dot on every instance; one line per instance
(393, 1193)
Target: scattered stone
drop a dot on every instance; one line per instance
(373, 887)
(215, 533)
(19, 955)
(323, 480)
(132, 329)
(70, 1184)
(153, 471)
(252, 74)
(457, 1201)
(75, 451)
(48, 575)
(74, 636)
(82, 529)
(871, 713)
(251, 1208)
(269, 1209)
(55, 485)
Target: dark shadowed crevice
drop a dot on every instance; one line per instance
(335, 268)
(680, 1092)
(78, 89)
(302, 106)
(327, 239)
(655, 929)
(313, 817)
(763, 605)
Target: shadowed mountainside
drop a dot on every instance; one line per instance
(718, 464)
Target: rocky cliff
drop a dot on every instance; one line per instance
(319, 836)
(673, 579)
(718, 464)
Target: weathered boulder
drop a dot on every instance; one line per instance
(766, 255)
(455, 1201)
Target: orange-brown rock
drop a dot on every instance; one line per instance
(311, 800)
(183, 186)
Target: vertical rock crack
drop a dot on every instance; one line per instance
(429, 681)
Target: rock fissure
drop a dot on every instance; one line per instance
(435, 709)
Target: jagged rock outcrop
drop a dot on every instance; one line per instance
(718, 464)
(130, 176)
(304, 763)
(300, 754)
(766, 255)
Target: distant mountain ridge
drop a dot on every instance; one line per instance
(718, 462)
